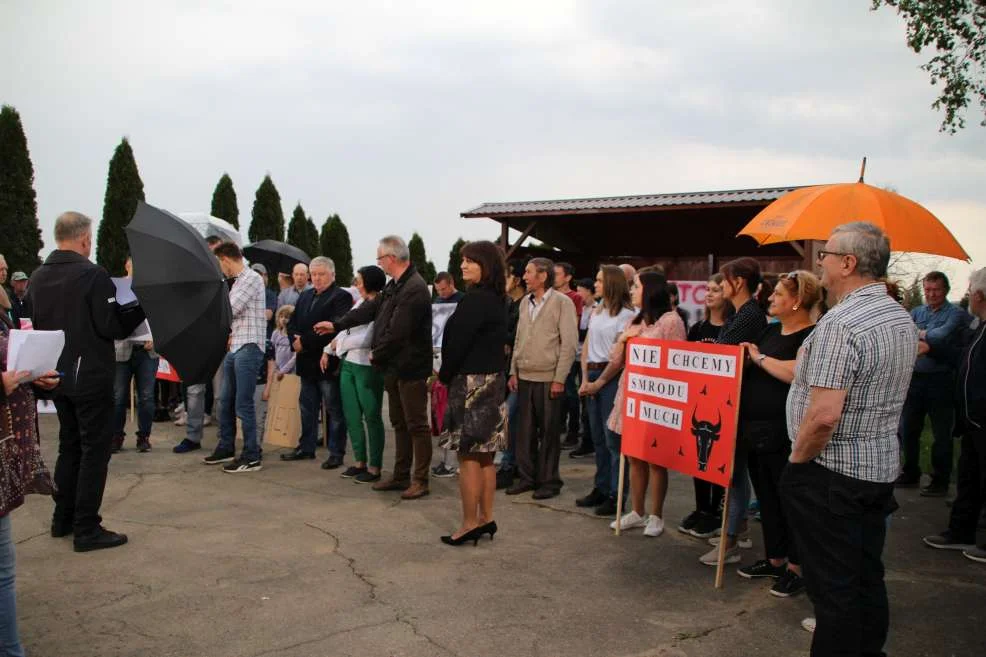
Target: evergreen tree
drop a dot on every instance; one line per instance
(455, 263)
(298, 229)
(268, 216)
(123, 189)
(224, 201)
(419, 258)
(18, 205)
(334, 243)
(313, 247)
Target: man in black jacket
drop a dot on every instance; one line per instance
(71, 294)
(401, 348)
(971, 425)
(323, 302)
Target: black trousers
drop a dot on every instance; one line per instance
(840, 527)
(765, 471)
(971, 487)
(539, 435)
(84, 441)
(708, 496)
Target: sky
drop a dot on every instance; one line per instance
(400, 115)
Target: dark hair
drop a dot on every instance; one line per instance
(547, 267)
(515, 268)
(652, 269)
(672, 287)
(767, 284)
(212, 240)
(746, 268)
(445, 277)
(587, 283)
(566, 267)
(616, 292)
(655, 297)
(228, 250)
(935, 276)
(373, 277)
(490, 259)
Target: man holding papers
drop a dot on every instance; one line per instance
(71, 294)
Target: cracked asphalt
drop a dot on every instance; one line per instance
(294, 561)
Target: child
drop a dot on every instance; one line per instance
(284, 356)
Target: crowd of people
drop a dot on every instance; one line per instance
(838, 380)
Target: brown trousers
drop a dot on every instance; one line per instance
(408, 404)
(538, 435)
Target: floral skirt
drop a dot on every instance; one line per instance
(476, 418)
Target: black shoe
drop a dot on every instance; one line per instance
(545, 493)
(297, 455)
(61, 528)
(219, 456)
(243, 465)
(366, 477)
(789, 584)
(518, 489)
(472, 535)
(707, 526)
(571, 442)
(607, 508)
(935, 489)
(505, 478)
(143, 444)
(594, 498)
(332, 463)
(185, 446)
(949, 541)
(489, 528)
(352, 472)
(98, 539)
(581, 453)
(908, 481)
(689, 522)
(762, 568)
(117, 445)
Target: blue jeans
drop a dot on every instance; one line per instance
(600, 406)
(10, 643)
(195, 403)
(739, 492)
(143, 370)
(509, 460)
(328, 393)
(236, 401)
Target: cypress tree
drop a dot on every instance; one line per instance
(419, 258)
(268, 217)
(18, 205)
(298, 229)
(455, 263)
(334, 243)
(224, 201)
(123, 189)
(313, 248)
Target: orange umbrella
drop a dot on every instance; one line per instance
(811, 213)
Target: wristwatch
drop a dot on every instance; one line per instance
(760, 359)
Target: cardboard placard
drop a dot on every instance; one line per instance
(165, 372)
(283, 424)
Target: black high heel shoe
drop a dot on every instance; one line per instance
(471, 535)
(489, 528)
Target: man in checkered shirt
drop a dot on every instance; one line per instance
(242, 363)
(843, 410)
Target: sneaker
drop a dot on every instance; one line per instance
(571, 442)
(242, 465)
(581, 453)
(975, 553)
(711, 558)
(655, 526)
(689, 521)
(935, 489)
(594, 498)
(366, 477)
(186, 446)
(442, 471)
(743, 540)
(707, 526)
(607, 508)
(143, 444)
(808, 624)
(946, 541)
(352, 471)
(790, 584)
(117, 445)
(219, 456)
(182, 420)
(762, 568)
(630, 520)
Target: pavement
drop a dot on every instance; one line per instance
(294, 561)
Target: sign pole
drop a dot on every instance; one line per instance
(619, 493)
(133, 404)
(725, 500)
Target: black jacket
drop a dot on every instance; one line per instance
(71, 294)
(474, 337)
(971, 382)
(329, 306)
(401, 316)
(19, 309)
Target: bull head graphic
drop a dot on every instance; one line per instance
(705, 434)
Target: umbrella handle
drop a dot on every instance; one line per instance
(862, 170)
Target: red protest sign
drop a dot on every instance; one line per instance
(165, 372)
(681, 404)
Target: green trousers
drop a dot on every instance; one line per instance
(362, 401)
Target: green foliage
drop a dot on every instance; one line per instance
(913, 294)
(298, 229)
(18, 205)
(420, 259)
(123, 189)
(455, 262)
(268, 217)
(334, 243)
(224, 201)
(956, 30)
(314, 247)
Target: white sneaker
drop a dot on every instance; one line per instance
(207, 421)
(711, 558)
(630, 520)
(744, 541)
(182, 420)
(808, 625)
(655, 526)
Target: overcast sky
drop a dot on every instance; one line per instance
(400, 115)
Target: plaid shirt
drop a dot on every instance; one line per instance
(249, 302)
(865, 345)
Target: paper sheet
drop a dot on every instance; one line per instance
(124, 291)
(141, 334)
(37, 351)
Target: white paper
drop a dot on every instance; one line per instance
(141, 334)
(46, 406)
(37, 351)
(124, 291)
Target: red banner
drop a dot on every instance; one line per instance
(681, 404)
(165, 372)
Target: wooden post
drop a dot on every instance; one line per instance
(133, 405)
(723, 536)
(712, 264)
(504, 236)
(619, 492)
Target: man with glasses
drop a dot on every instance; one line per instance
(842, 410)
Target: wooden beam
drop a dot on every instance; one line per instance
(504, 236)
(797, 247)
(523, 236)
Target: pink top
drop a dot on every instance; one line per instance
(668, 327)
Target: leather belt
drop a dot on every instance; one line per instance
(596, 366)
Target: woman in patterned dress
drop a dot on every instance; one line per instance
(472, 368)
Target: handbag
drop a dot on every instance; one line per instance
(22, 471)
(764, 436)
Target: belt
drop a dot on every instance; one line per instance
(595, 366)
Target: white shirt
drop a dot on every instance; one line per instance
(603, 331)
(353, 345)
(534, 306)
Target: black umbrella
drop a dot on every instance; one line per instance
(277, 257)
(181, 289)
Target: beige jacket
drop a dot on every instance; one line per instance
(545, 349)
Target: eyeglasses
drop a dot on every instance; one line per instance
(822, 254)
(386, 255)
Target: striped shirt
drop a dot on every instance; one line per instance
(249, 302)
(865, 345)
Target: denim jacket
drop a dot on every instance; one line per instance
(943, 327)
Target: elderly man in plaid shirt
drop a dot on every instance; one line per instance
(843, 410)
(242, 363)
